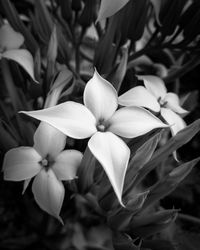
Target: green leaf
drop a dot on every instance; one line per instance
(169, 182)
(172, 145)
(110, 7)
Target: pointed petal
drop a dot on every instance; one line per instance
(48, 192)
(140, 97)
(26, 183)
(155, 85)
(24, 58)
(21, 163)
(66, 164)
(130, 122)
(100, 97)
(71, 118)
(48, 140)
(113, 154)
(175, 121)
(9, 38)
(173, 103)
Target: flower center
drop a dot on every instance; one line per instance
(46, 163)
(162, 102)
(101, 127)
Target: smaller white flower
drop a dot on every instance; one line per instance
(10, 43)
(47, 163)
(155, 97)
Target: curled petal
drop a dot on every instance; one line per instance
(140, 97)
(48, 140)
(24, 58)
(9, 38)
(21, 164)
(71, 118)
(113, 154)
(130, 122)
(100, 97)
(155, 85)
(49, 192)
(175, 121)
(66, 164)
(173, 103)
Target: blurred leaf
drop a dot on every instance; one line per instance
(158, 244)
(124, 242)
(119, 219)
(169, 182)
(22, 57)
(152, 228)
(157, 6)
(88, 14)
(173, 144)
(138, 160)
(117, 75)
(18, 25)
(87, 168)
(110, 7)
(11, 88)
(148, 218)
(6, 139)
(51, 59)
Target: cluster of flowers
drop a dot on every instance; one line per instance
(105, 118)
(106, 125)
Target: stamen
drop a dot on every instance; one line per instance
(101, 127)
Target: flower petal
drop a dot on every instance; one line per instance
(155, 85)
(113, 154)
(100, 97)
(71, 118)
(140, 97)
(66, 164)
(173, 103)
(21, 163)
(23, 57)
(48, 192)
(26, 183)
(130, 122)
(48, 140)
(9, 38)
(175, 121)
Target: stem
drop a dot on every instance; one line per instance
(189, 218)
(195, 61)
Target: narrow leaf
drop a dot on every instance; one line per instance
(172, 145)
(166, 185)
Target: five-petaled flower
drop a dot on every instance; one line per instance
(47, 163)
(155, 97)
(99, 119)
(10, 43)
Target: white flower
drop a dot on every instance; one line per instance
(47, 163)
(10, 43)
(100, 120)
(156, 98)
